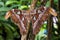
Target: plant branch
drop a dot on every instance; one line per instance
(32, 6)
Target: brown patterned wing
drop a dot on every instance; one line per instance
(41, 18)
(20, 20)
(39, 21)
(36, 24)
(23, 23)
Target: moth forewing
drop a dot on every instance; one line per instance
(52, 11)
(8, 14)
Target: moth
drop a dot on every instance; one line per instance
(36, 16)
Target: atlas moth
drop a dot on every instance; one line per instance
(36, 17)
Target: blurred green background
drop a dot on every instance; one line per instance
(9, 31)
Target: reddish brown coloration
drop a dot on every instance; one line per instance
(43, 18)
(24, 21)
(25, 16)
(18, 20)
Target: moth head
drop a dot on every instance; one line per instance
(52, 11)
(8, 14)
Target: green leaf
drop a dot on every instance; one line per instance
(23, 7)
(47, 4)
(2, 18)
(15, 6)
(11, 27)
(5, 9)
(1, 3)
(1, 30)
(10, 35)
(1, 38)
(16, 35)
(25, 0)
(11, 2)
(55, 1)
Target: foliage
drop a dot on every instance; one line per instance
(8, 30)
